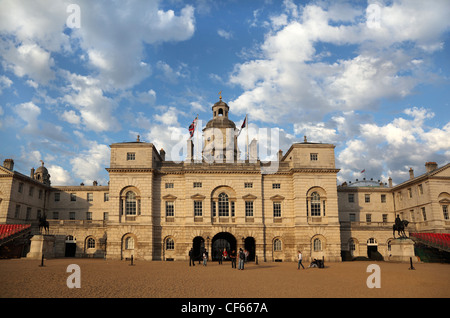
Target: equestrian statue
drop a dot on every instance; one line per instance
(400, 226)
(43, 224)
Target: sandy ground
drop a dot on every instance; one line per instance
(22, 278)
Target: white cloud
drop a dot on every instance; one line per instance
(59, 176)
(389, 150)
(224, 34)
(289, 80)
(89, 164)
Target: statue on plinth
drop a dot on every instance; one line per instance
(400, 226)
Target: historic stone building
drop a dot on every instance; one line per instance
(154, 209)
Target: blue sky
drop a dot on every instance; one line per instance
(370, 77)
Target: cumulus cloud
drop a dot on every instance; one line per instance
(390, 150)
(291, 80)
(90, 163)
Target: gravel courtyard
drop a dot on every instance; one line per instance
(23, 278)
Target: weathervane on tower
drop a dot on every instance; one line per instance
(220, 95)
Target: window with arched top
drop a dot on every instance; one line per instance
(170, 244)
(277, 245)
(317, 245)
(130, 203)
(224, 209)
(315, 204)
(129, 243)
(90, 243)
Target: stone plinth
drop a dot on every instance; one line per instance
(402, 250)
(42, 245)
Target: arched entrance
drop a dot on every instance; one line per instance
(71, 246)
(222, 241)
(372, 247)
(250, 246)
(198, 246)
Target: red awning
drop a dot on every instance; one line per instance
(439, 240)
(7, 230)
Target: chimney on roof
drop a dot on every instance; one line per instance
(390, 182)
(8, 164)
(411, 173)
(32, 173)
(94, 183)
(162, 154)
(431, 166)
(280, 155)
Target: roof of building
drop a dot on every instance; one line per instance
(7, 230)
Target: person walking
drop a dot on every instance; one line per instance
(233, 258)
(300, 260)
(191, 257)
(241, 259)
(220, 257)
(205, 258)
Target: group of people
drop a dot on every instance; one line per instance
(315, 263)
(241, 256)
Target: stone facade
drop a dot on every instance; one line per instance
(154, 209)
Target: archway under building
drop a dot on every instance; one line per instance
(372, 248)
(221, 241)
(198, 246)
(250, 246)
(71, 246)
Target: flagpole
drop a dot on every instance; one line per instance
(246, 124)
(198, 147)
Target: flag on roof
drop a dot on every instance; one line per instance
(192, 127)
(243, 125)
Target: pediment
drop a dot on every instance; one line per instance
(277, 198)
(169, 197)
(198, 196)
(249, 197)
(4, 171)
(444, 201)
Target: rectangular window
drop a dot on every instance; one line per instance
(131, 156)
(409, 193)
(197, 184)
(28, 215)
(73, 197)
(57, 196)
(383, 198)
(445, 211)
(55, 215)
(169, 185)
(420, 189)
(424, 214)
(367, 198)
(385, 218)
(89, 216)
(232, 207)
(277, 209)
(315, 208)
(38, 215)
(276, 185)
(248, 185)
(213, 208)
(314, 156)
(105, 216)
(169, 209)
(20, 187)
(71, 215)
(351, 197)
(17, 211)
(352, 217)
(30, 191)
(249, 208)
(40, 194)
(90, 197)
(368, 218)
(198, 208)
(106, 197)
